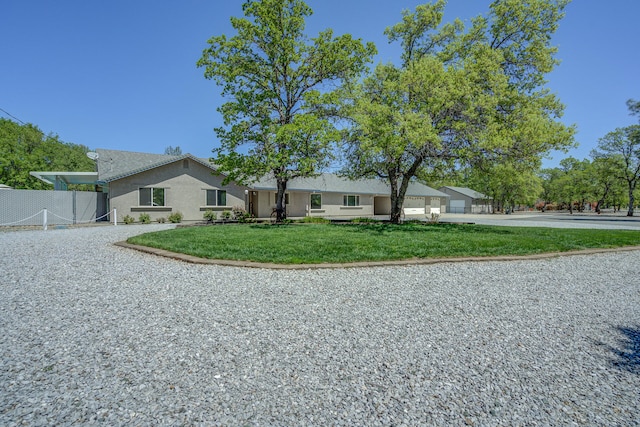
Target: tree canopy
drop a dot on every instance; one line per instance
(281, 91)
(622, 147)
(461, 96)
(25, 148)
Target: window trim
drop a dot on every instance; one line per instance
(286, 198)
(216, 198)
(311, 201)
(152, 197)
(345, 200)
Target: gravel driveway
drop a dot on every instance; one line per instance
(92, 334)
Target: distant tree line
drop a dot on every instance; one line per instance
(608, 179)
(25, 148)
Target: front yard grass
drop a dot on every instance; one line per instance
(344, 243)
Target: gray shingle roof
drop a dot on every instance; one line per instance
(116, 164)
(331, 183)
(468, 192)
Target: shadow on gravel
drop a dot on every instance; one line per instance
(628, 352)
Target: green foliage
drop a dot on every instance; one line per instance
(462, 96)
(226, 215)
(128, 219)
(25, 148)
(241, 215)
(329, 243)
(508, 184)
(173, 151)
(364, 220)
(210, 215)
(314, 220)
(175, 217)
(622, 147)
(281, 92)
(144, 218)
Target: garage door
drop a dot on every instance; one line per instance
(457, 206)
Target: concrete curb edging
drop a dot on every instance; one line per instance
(417, 261)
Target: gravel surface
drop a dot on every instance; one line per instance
(92, 334)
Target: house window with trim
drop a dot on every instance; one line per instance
(350, 200)
(151, 196)
(275, 198)
(216, 198)
(316, 201)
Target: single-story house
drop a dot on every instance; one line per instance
(159, 185)
(466, 200)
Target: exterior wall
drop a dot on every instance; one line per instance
(332, 206)
(185, 191)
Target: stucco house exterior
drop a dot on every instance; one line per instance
(159, 185)
(466, 200)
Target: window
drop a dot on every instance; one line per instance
(350, 200)
(216, 198)
(152, 197)
(275, 198)
(316, 201)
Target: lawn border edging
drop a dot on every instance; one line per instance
(414, 261)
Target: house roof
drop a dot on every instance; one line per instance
(467, 192)
(331, 183)
(115, 164)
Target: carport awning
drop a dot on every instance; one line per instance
(62, 179)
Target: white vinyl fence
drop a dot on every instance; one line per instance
(38, 207)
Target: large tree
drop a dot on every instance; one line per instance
(25, 148)
(622, 146)
(460, 96)
(282, 93)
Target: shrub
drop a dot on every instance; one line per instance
(144, 218)
(128, 219)
(161, 220)
(435, 218)
(314, 220)
(210, 215)
(241, 215)
(175, 217)
(226, 215)
(363, 220)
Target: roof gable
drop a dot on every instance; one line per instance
(115, 164)
(467, 192)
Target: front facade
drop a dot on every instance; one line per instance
(162, 185)
(466, 200)
(329, 195)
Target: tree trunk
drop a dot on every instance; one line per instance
(281, 212)
(397, 197)
(396, 203)
(631, 200)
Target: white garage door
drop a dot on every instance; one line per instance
(457, 206)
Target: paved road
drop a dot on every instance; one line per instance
(556, 220)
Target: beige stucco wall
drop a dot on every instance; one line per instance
(185, 191)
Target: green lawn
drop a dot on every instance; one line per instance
(343, 243)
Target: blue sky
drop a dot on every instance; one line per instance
(121, 74)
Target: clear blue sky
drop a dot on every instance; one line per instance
(121, 74)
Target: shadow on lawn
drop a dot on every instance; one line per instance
(627, 353)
